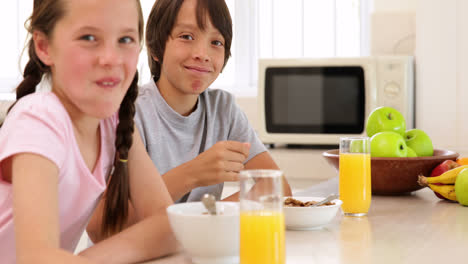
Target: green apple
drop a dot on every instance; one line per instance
(388, 144)
(411, 153)
(420, 142)
(461, 187)
(385, 119)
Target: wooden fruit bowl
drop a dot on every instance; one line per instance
(395, 176)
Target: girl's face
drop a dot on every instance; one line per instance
(193, 58)
(93, 54)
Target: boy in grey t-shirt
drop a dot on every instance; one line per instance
(197, 137)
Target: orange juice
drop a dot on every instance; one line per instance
(262, 237)
(355, 182)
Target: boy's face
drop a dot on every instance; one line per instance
(193, 58)
(93, 55)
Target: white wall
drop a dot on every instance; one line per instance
(442, 55)
(392, 27)
(440, 46)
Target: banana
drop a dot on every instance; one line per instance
(447, 191)
(447, 177)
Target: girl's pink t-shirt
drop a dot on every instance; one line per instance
(39, 124)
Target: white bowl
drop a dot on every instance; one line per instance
(207, 238)
(309, 218)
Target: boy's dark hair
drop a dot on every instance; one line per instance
(45, 15)
(161, 21)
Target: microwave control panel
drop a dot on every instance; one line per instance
(396, 85)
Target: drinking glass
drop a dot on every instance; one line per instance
(261, 217)
(355, 175)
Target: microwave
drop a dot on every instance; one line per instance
(316, 101)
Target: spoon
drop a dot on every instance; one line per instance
(209, 202)
(330, 198)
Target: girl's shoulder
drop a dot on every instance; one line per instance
(37, 123)
(47, 107)
(40, 103)
(41, 108)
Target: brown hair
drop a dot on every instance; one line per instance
(161, 21)
(45, 15)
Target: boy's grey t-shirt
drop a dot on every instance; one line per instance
(172, 139)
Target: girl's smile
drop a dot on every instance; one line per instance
(109, 82)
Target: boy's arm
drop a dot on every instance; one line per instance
(220, 163)
(262, 161)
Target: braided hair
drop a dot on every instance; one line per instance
(118, 188)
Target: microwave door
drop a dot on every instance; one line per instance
(315, 100)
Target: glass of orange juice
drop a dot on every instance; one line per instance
(355, 175)
(261, 217)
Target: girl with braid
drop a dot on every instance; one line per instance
(62, 151)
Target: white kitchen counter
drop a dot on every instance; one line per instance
(417, 228)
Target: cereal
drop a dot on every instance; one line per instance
(296, 203)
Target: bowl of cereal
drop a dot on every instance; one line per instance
(300, 216)
(207, 238)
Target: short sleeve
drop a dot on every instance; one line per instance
(139, 123)
(241, 130)
(145, 109)
(38, 130)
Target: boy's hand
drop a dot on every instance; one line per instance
(220, 163)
